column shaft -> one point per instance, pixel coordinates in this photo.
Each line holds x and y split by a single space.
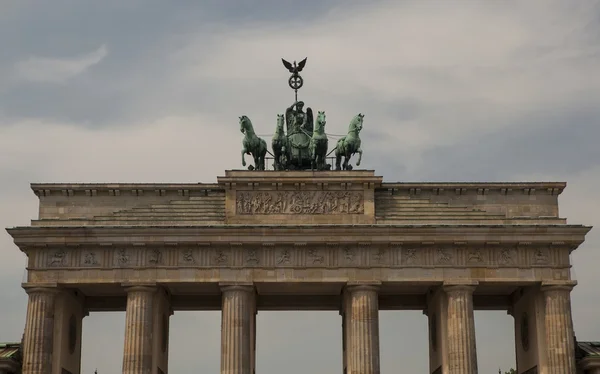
236 330
39 332
462 354
137 356
363 352
559 330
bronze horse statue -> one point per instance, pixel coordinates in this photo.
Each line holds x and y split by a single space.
349 144
279 144
252 144
318 143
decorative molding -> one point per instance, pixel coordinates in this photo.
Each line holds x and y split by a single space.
299 202
305 256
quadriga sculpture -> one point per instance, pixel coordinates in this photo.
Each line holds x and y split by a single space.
252 144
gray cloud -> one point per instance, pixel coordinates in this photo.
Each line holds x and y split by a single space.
481 91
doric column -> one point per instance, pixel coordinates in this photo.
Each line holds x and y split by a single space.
560 342
363 352
39 331
137 356
462 355
236 329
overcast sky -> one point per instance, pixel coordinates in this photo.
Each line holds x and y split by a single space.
151 91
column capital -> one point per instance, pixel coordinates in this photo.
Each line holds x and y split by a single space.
237 286
469 286
558 286
356 286
31 288
140 287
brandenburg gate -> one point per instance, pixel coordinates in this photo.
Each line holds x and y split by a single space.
299 237
299 240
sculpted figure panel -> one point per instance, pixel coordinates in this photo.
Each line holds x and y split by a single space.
317 256
299 202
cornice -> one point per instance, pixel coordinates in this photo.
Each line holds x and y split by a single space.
504 188
561 235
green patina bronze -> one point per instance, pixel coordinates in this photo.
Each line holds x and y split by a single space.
252 144
318 144
279 145
299 142
349 144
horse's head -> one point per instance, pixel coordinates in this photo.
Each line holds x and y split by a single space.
320 122
245 124
357 123
280 122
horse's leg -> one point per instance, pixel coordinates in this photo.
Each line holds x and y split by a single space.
243 153
338 160
256 159
262 158
346 159
319 159
359 151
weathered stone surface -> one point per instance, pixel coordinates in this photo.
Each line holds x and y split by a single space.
363 350
560 339
237 335
462 354
137 356
39 331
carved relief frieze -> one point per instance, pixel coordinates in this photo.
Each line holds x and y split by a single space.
57 258
444 256
475 256
155 257
303 255
411 256
349 256
299 202
540 256
379 256
90 258
283 256
507 256
315 257
187 257
221 257
123 257
251 257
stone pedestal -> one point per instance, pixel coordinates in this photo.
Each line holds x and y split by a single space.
362 329
39 331
137 356
237 348
462 356
560 344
